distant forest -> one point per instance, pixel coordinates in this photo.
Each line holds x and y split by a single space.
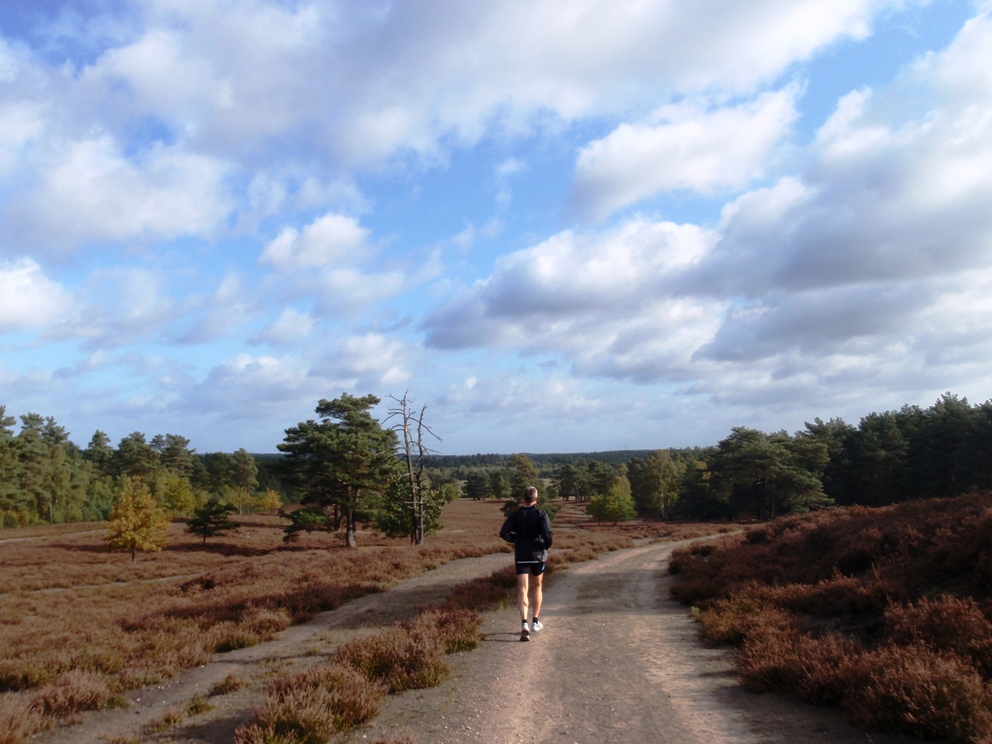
912 453
46 478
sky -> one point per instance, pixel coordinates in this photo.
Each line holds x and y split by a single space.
561 225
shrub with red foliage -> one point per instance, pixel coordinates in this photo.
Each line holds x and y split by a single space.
913 690
455 630
308 707
948 623
398 658
882 611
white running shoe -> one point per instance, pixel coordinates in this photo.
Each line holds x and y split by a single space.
538 625
524 631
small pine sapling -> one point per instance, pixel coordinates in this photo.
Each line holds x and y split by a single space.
212 519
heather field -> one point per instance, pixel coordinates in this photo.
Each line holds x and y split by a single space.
884 612
80 626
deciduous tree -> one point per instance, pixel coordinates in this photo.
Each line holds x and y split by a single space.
615 505
136 523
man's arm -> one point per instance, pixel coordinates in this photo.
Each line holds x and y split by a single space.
507 532
546 529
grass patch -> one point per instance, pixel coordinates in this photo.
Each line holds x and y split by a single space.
196 706
19 719
231 683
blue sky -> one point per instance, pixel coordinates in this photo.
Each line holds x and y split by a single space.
563 225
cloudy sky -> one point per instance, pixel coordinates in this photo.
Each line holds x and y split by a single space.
564 225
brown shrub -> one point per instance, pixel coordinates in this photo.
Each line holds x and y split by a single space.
310 706
265 622
769 659
477 595
231 683
914 691
725 622
456 630
18 719
485 592
135 624
861 570
944 624
71 692
401 660
827 667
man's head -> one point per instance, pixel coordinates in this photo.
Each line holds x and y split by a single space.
530 495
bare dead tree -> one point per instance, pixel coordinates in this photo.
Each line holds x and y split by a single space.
410 428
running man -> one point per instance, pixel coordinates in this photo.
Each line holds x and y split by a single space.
529 529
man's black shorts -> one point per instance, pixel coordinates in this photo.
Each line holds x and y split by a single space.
534 569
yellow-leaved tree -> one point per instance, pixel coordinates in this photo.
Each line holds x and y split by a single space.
268 501
136 523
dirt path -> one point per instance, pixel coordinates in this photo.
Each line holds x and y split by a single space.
618 661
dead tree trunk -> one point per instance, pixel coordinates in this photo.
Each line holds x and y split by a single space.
411 429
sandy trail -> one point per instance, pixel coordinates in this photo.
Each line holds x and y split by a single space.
618 661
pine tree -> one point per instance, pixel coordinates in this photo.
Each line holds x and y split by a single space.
212 519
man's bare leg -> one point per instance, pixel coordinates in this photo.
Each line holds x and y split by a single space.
537 594
522 592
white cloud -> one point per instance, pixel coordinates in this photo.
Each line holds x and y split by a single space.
28 298
117 307
360 83
230 305
686 147
566 281
324 261
330 240
504 170
366 361
290 328
161 128
89 191
20 126
267 392
862 268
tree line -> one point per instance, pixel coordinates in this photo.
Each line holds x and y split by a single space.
913 453
47 478
347 468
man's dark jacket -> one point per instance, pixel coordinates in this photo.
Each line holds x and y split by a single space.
529 529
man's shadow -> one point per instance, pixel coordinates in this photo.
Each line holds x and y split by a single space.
501 637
